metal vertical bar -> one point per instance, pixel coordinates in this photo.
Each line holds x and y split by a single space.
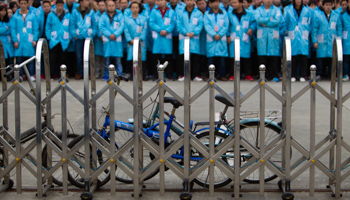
211 127
111 69
64 129
137 92
18 132
161 129
312 129
187 109
262 130
237 73
338 66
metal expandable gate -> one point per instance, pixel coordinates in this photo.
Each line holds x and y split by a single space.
14 152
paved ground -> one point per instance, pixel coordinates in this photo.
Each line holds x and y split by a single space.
200 111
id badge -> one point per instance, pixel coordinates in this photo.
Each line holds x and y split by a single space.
24 30
296 28
216 29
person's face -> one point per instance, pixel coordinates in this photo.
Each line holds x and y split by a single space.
235 4
9 13
327 7
110 6
202 5
277 3
257 3
161 3
135 8
23 5
267 2
343 5
3 12
215 4
245 4
59 7
124 4
70 2
30 2
85 3
46 7
189 3
225 1
117 4
173 1
101 6
297 2
320 3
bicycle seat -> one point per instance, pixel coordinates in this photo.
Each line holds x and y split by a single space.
173 101
223 100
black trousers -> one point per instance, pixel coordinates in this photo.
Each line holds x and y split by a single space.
203 65
151 64
246 66
324 67
272 64
299 61
71 63
57 56
195 65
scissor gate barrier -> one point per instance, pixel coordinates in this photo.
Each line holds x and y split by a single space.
95 159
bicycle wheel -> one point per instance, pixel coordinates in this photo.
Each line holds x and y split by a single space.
220 178
121 137
57 175
251 132
78 158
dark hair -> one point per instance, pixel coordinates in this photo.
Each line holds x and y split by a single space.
6 17
327 1
343 0
140 6
301 3
46 1
312 2
13 4
249 1
60 1
240 1
36 4
211 1
101 1
19 1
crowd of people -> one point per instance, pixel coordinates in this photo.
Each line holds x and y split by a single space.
162 26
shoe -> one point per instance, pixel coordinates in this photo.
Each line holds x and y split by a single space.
198 78
78 77
318 78
276 79
181 78
104 78
223 79
32 78
127 77
151 77
249 78
302 79
293 79
205 78
232 78
346 78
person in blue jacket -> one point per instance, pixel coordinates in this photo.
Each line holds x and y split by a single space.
202 6
298 26
345 20
25 34
344 4
111 25
82 26
216 24
242 25
324 31
225 5
57 33
253 47
71 5
151 61
162 24
98 44
268 18
190 24
42 15
5 35
136 26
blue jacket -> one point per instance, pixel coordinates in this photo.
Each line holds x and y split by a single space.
268 37
253 39
299 29
149 40
324 32
162 44
222 7
136 28
107 28
127 12
178 9
189 25
219 20
203 39
83 28
240 29
75 6
98 44
5 37
345 20
71 46
24 32
57 31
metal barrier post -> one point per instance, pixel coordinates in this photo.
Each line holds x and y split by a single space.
211 127
262 69
312 129
18 132
112 127
161 69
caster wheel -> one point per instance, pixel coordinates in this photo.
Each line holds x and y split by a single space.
185 196
86 196
10 184
280 185
287 196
